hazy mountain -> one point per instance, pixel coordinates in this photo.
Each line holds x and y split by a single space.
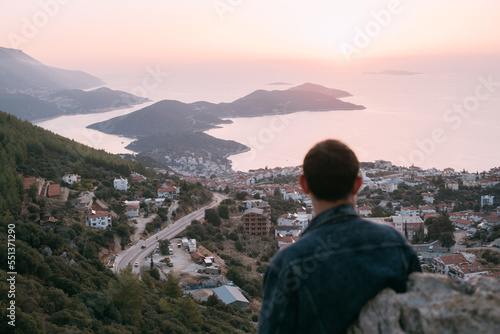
310 87
27 107
33 91
20 72
306 97
76 101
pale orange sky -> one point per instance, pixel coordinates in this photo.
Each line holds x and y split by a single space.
93 34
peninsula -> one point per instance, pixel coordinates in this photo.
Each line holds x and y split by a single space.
172 131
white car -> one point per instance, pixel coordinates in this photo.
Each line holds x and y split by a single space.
136 264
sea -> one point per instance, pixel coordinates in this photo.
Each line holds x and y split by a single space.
435 119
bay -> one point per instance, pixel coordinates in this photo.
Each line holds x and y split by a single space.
74 127
410 119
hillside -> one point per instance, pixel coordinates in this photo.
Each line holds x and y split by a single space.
167 147
164 116
61 284
29 150
33 91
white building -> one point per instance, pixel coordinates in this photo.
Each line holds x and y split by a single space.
427 209
428 198
192 245
487 200
409 211
365 210
382 164
132 211
71 178
408 225
170 192
462 223
388 186
121 184
99 219
287 231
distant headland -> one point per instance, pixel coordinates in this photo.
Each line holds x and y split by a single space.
393 72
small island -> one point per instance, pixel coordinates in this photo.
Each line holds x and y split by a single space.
393 72
279 83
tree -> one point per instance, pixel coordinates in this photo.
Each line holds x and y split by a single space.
33 191
212 217
191 311
439 225
419 236
277 192
213 300
241 195
223 211
163 244
155 273
126 293
447 240
123 231
239 246
172 287
378 211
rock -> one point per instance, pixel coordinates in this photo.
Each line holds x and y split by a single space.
434 304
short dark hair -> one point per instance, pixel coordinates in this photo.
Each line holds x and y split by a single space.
330 169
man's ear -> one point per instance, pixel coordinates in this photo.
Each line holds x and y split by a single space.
303 184
357 185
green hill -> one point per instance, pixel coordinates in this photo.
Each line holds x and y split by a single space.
61 285
28 150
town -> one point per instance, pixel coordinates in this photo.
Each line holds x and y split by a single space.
451 217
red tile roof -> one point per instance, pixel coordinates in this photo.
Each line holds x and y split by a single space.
452 259
54 190
28 181
99 214
167 190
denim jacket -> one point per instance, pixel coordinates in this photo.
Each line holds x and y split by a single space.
320 283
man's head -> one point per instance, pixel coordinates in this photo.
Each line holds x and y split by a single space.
331 171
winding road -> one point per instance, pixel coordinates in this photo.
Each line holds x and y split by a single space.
138 254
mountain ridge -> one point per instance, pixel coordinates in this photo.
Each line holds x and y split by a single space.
20 72
173 115
33 91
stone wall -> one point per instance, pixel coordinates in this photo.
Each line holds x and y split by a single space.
434 304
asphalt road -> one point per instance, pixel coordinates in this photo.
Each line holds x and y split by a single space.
422 249
138 254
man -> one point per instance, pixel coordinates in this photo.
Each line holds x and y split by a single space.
320 283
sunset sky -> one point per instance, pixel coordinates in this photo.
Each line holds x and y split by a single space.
94 35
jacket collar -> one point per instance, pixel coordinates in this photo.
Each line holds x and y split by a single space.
331 216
